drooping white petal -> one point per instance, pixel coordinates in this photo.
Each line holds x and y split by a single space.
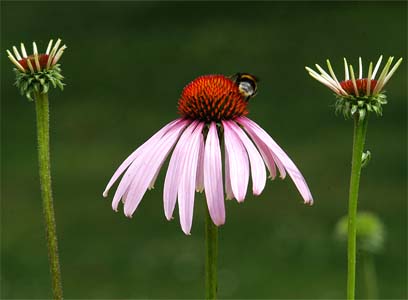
30 66
321 79
360 68
49 47
15 62
376 67
346 71
36 61
370 70
380 82
23 50
16 53
333 75
390 73
35 51
58 55
52 53
353 80
328 77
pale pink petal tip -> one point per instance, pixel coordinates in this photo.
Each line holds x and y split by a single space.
142 166
262 138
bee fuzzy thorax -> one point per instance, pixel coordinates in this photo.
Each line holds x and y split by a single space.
247 84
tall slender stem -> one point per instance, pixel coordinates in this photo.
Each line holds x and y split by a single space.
370 276
360 129
211 245
42 111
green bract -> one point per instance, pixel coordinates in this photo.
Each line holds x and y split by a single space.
38 82
348 106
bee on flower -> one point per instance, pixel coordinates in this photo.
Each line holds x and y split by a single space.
213 110
35 72
358 94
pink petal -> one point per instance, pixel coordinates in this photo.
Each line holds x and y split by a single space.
267 157
279 164
137 152
145 167
238 162
256 132
228 188
258 171
174 172
187 185
200 167
214 191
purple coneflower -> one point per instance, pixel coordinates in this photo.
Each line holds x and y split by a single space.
213 114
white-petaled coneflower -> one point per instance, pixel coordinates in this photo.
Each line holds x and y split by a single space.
35 73
358 94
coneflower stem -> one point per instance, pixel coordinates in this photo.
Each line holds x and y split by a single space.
211 245
370 276
360 129
42 112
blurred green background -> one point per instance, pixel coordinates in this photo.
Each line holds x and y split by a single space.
125 67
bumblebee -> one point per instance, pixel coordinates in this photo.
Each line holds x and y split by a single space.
247 84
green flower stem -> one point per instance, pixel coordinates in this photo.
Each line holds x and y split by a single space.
42 110
211 245
360 129
370 276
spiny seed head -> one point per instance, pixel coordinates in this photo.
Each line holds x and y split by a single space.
212 98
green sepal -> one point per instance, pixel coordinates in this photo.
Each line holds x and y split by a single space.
349 105
39 82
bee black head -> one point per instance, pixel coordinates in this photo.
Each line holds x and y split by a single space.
247 84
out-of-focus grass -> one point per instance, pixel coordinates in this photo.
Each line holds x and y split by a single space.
125 67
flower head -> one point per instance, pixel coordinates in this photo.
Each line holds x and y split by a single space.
35 72
212 117
361 94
